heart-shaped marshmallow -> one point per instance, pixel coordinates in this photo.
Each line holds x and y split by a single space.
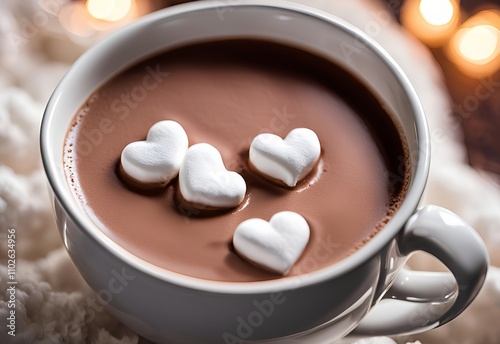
204 180
288 160
158 159
275 245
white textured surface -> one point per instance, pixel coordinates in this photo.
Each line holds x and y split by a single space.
56 305
18 112
275 245
289 159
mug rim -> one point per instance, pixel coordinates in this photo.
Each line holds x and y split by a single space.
65 197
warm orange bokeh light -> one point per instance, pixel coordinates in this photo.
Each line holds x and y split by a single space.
109 10
431 21
436 12
475 47
478 44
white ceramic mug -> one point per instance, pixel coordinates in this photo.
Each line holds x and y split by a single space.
321 306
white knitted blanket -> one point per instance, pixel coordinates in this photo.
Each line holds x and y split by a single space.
54 303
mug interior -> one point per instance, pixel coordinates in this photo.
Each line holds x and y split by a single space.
290 24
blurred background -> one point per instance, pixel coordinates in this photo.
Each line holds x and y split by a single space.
450 49
462 35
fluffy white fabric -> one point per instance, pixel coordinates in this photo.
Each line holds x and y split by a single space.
55 305
25 205
18 144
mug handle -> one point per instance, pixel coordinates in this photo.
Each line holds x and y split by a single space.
420 301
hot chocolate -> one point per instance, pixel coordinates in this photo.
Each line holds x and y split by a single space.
224 94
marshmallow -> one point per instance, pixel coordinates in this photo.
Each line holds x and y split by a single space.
204 180
275 245
288 160
158 159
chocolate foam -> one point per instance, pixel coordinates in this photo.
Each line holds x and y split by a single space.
225 94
